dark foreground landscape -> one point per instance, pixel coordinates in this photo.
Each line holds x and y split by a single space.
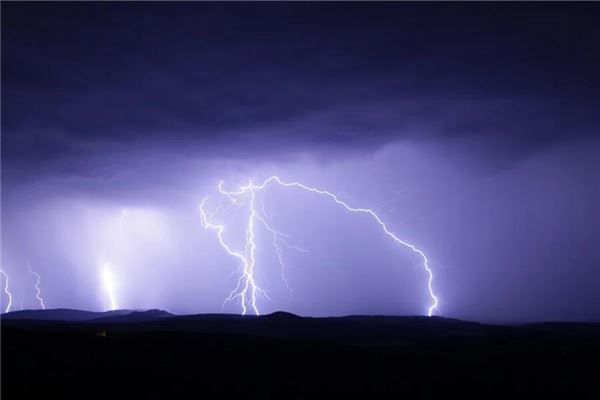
152 354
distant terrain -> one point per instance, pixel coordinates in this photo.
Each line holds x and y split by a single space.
155 354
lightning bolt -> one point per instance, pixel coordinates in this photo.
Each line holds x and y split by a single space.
280 239
6 291
247 289
38 294
109 285
108 279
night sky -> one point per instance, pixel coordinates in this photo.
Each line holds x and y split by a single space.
471 129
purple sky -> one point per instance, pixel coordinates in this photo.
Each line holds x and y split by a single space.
472 130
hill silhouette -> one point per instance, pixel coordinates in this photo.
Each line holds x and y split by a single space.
72 315
155 354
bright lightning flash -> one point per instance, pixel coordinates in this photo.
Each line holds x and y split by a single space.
6 291
247 289
38 294
109 285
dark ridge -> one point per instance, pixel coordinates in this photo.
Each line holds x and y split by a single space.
61 314
154 354
134 316
72 315
282 315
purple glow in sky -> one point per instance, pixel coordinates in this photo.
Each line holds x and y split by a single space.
471 130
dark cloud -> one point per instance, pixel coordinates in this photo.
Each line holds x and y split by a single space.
294 75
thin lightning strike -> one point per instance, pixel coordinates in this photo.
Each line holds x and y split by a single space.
38 294
109 285
106 275
6 291
247 289
280 238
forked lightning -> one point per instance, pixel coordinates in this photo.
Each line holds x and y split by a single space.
247 290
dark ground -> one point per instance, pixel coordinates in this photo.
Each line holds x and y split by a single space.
156 355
